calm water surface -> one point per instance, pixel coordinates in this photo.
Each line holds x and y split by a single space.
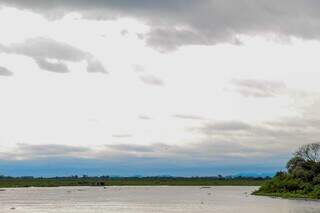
147 199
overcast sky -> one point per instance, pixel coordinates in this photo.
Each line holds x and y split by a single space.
171 87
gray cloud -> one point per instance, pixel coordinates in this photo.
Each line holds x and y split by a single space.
180 22
225 142
283 135
122 135
225 126
189 117
131 148
151 80
95 66
138 68
258 88
187 157
124 32
44 50
5 72
212 150
144 117
167 39
28 151
58 67
145 77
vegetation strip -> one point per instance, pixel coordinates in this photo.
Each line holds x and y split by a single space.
9 182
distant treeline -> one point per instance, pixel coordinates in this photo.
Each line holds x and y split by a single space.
85 180
219 177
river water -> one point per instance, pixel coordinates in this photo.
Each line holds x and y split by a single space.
147 199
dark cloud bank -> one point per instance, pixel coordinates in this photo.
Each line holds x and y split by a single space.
130 159
179 22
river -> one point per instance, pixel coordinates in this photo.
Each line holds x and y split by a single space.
223 199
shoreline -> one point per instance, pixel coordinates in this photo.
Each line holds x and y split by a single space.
289 196
125 186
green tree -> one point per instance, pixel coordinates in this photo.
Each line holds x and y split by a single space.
302 178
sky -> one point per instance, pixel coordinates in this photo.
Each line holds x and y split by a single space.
148 87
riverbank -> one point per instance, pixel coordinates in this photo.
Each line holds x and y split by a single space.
295 196
285 185
56 182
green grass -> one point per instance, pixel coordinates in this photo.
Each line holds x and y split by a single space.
55 182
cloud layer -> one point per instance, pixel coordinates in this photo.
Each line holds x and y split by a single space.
179 22
227 143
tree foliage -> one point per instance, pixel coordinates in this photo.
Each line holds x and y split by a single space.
302 178
309 152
